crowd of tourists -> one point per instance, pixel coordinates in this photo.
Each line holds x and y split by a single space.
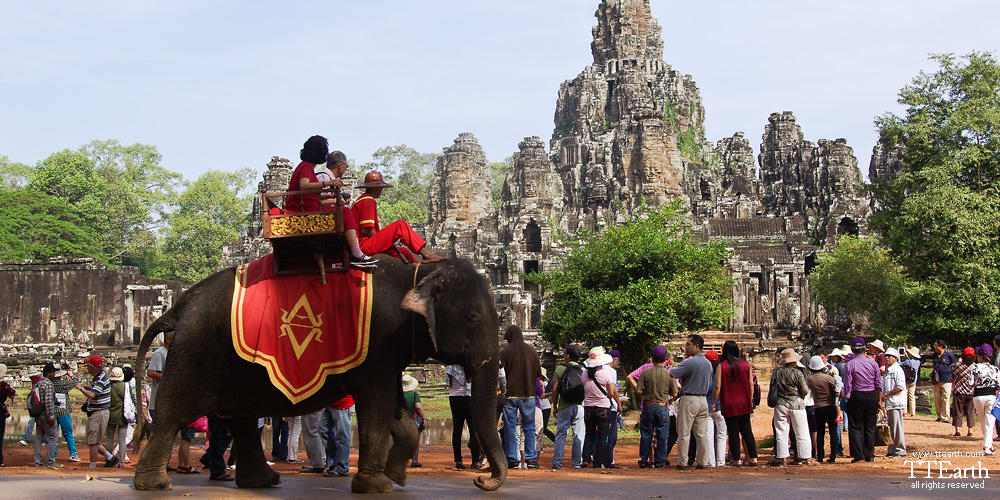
704 403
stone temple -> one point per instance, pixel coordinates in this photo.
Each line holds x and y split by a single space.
628 130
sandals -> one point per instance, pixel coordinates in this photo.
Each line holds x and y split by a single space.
188 470
777 462
224 477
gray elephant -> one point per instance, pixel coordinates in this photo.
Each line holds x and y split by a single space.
442 310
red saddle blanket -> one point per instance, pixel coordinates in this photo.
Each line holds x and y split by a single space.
296 328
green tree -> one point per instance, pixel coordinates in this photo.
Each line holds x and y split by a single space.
14 175
211 211
940 213
630 286
861 278
498 172
410 172
34 225
120 191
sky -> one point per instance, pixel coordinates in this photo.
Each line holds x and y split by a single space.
228 84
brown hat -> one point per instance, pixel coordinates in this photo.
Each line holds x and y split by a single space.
374 179
789 356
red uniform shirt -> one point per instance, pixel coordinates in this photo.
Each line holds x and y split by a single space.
366 212
304 202
344 403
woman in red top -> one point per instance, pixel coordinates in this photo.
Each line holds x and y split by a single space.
733 394
314 152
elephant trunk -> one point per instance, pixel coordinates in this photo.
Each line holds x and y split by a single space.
484 419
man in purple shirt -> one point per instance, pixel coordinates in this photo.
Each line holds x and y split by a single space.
863 392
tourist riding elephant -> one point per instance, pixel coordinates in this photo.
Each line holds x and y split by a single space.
442 310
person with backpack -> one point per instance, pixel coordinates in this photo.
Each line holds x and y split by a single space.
42 406
962 385
121 397
598 409
657 388
567 401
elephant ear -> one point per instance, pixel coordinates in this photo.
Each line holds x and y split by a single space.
420 299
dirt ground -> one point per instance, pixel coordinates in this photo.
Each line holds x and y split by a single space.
925 439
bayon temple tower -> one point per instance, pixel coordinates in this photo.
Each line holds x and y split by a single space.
628 130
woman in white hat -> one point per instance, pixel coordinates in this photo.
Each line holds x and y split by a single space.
789 384
6 393
600 390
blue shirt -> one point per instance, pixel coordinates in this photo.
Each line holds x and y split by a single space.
942 366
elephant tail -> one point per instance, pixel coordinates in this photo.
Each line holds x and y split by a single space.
165 323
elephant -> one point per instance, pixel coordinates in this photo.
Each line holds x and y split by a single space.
440 310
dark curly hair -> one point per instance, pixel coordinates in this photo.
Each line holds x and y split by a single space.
315 150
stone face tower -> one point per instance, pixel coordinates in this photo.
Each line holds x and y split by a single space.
628 125
459 196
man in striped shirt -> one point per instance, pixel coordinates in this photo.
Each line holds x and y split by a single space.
98 401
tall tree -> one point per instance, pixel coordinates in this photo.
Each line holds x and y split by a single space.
14 175
410 172
860 277
940 213
632 285
498 172
34 225
211 211
121 191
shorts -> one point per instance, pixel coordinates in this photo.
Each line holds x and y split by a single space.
187 433
97 426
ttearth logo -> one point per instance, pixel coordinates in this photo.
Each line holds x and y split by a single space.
938 473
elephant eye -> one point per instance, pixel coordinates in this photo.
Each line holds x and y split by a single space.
472 317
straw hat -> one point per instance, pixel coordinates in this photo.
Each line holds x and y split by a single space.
117 375
3 369
878 345
913 352
597 357
837 352
409 383
789 356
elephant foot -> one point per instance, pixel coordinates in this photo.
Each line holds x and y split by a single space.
366 483
152 481
260 478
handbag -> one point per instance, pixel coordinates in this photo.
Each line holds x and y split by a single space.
772 396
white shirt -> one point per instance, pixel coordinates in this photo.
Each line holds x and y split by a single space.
894 379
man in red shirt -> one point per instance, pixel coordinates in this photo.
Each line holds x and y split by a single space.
373 239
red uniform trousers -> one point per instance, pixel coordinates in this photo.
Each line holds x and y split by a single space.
383 241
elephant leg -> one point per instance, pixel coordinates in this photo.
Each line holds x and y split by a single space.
151 472
404 444
252 470
374 417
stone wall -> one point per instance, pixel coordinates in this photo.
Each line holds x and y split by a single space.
78 301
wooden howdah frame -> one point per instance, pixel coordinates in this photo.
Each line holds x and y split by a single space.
306 252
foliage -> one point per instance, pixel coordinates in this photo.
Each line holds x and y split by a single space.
498 172
861 278
14 175
410 172
940 214
34 225
631 285
120 191
211 211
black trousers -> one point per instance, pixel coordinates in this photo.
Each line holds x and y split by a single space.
862 413
461 414
737 427
826 419
218 441
3 429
